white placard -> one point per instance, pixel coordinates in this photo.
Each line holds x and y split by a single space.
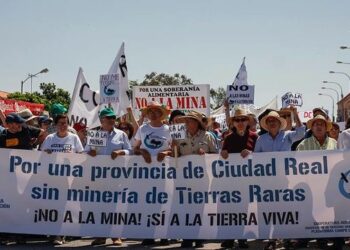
178 131
240 94
109 88
290 98
97 138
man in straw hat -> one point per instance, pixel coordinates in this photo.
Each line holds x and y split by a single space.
153 139
319 139
276 138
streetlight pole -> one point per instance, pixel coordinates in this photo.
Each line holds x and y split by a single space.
341 88
334 91
332 103
342 62
31 79
343 73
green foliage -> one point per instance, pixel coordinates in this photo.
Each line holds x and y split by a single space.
162 79
218 97
49 95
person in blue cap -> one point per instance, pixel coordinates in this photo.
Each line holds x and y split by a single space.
18 135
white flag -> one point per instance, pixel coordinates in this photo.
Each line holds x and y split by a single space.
241 77
257 111
85 103
119 67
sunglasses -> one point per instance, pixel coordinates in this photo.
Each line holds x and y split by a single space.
124 128
240 120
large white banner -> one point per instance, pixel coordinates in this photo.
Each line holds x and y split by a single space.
185 97
269 195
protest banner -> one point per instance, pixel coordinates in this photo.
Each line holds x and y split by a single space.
9 105
279 195
85 103
185 98
109 88
177 131
240 94
97 138
290 98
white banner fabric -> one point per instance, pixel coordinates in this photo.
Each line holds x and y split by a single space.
185 97
268 195
85 103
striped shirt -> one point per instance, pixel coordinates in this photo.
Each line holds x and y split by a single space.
312 143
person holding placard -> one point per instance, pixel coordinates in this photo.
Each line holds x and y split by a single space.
198 141
117 144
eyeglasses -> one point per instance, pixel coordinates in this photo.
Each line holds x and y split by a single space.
240 120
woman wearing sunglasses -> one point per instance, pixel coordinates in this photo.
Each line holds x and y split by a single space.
241 140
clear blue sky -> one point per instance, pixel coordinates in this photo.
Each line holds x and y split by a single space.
288 45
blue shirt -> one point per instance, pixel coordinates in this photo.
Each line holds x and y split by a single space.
116 140
282 142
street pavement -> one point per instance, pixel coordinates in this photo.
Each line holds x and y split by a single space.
85 243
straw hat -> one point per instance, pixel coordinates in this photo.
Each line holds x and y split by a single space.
319 118
193 115
275 115
156 105
26 114
239 112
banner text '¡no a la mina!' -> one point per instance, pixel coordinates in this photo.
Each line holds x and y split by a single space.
191 97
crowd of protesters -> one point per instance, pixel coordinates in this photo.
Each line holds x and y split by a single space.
272 131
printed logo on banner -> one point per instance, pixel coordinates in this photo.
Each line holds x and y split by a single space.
3 204
344 184
178 131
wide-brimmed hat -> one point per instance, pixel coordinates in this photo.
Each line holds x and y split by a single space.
14 118
193 115
275 115
321 110
156 105
321 118
107 112
239 112
26 114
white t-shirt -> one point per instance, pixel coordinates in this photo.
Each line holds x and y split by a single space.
69 144
154 139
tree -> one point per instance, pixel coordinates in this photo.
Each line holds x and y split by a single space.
162 79
217 97
50 94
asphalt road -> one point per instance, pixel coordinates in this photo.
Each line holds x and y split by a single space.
85 243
